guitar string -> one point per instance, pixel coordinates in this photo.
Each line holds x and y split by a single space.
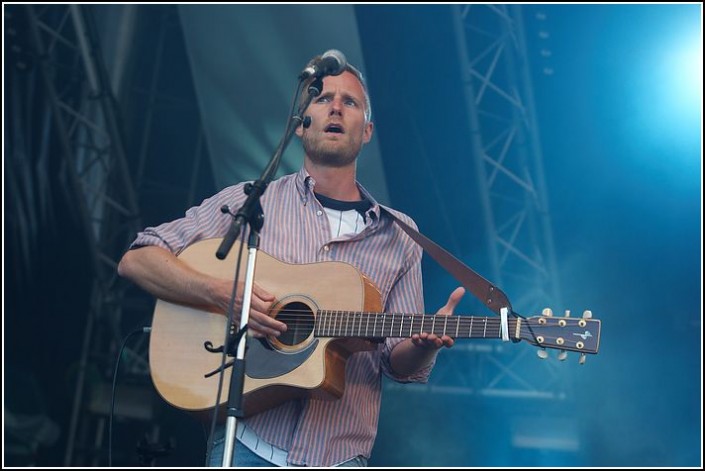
344 321
361 316
357 316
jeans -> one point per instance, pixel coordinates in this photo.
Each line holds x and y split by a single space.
246 458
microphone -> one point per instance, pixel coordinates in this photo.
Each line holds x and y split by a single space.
306 122
332 62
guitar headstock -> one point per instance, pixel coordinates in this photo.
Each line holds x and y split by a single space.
566 333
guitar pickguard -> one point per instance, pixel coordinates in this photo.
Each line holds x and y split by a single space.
263 362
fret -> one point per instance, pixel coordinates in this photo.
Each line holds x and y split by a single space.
335 323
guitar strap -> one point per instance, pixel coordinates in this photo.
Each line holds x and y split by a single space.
489 294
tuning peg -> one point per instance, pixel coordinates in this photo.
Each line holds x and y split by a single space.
582 359
567 313
542 353
587 315
547 312
562 355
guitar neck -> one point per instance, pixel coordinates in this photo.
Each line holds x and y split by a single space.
381 325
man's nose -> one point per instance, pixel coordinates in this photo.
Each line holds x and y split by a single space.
336 107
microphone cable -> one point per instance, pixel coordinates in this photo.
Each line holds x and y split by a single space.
145 330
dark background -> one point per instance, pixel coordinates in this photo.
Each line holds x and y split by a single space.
619 118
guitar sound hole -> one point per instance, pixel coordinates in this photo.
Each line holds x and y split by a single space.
299 321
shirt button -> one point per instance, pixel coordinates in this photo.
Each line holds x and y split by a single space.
326 248
319 212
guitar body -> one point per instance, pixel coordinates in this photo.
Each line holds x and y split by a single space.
331 310
296 364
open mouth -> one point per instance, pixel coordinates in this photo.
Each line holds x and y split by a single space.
334 128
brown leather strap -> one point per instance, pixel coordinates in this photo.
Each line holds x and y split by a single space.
483 290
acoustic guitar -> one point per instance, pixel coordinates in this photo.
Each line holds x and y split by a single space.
331 311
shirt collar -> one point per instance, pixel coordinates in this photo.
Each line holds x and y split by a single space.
305 184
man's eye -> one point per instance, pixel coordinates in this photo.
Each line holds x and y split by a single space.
351 102
323 99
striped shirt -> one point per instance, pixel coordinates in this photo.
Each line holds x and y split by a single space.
296 230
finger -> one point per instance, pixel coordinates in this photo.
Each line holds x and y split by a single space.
434 341
453 301
262 307
266 324
262 293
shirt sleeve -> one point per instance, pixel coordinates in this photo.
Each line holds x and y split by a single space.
205 221
406 297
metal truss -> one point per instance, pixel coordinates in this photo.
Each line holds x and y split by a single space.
63 79
86 124
508 165
507 153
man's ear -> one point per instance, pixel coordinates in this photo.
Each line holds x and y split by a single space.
367 133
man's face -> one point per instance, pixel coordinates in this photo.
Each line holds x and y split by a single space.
338 128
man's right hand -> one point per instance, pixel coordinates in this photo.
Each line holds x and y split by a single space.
260 322
162 274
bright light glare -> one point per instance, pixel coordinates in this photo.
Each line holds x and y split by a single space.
666 99
687 68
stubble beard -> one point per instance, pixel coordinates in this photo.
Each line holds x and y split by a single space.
329 153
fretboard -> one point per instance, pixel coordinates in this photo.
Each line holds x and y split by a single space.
380 325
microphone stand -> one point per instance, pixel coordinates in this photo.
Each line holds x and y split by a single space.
251 213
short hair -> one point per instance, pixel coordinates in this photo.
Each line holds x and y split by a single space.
368 106
353 70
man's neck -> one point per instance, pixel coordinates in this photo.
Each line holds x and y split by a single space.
335 182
